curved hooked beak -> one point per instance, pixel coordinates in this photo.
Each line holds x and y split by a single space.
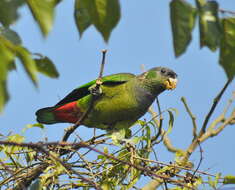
171 83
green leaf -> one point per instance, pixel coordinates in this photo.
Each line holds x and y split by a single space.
6 58
227 47
29 126
24 55
209 25
183 17
29 64
171 122
117 136
229 179
104 14
46 67
10 35
81 16
9 11
11 149
16 138
43 12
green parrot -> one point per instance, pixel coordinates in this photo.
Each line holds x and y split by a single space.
122 99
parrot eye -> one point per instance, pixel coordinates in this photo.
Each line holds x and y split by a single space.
163 71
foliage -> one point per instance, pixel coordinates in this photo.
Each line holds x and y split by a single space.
125 156
215 32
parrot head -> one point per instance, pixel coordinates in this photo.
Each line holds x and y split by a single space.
161 78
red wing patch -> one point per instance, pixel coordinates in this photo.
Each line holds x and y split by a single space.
68 113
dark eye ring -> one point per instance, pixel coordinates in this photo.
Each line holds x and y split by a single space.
163 71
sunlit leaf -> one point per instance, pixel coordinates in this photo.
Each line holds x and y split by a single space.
29 126
227 47
6 58
16 138
30 156
104 14
82 17
46 67
118 136
13 138
25 57
229 179
10 35
171 121
9 11
210 31
43 12
27 61
183 17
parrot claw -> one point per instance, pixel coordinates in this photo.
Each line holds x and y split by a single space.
95 90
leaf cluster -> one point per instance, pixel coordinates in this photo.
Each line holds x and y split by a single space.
216 32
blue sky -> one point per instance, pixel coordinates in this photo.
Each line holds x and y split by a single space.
143 36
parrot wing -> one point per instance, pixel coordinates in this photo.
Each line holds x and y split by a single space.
83 90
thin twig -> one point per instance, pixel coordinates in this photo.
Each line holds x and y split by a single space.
160 120
71 129
216 101
175 166
215 132
193 118
166 139
223 11
200 161
40 147
104 51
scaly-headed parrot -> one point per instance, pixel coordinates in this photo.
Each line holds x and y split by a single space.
123 99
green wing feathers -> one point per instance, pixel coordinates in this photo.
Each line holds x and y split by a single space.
83 90
70 108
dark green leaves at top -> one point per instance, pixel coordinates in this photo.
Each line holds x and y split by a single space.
28 63
227 47
10 49
46 67
9 11
210 31
6 58
43 12
182 22
103 14
82 17
10 35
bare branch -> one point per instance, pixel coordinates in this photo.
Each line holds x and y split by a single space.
166 139
71 129
216 101
223 11
200 161
193 118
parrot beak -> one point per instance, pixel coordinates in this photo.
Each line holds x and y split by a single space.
171 83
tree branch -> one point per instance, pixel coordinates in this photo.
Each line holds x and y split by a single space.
193 118
71 129
216 101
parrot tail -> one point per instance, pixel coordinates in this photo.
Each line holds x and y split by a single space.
67 113
46 115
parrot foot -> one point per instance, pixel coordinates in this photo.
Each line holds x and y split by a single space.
95 90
